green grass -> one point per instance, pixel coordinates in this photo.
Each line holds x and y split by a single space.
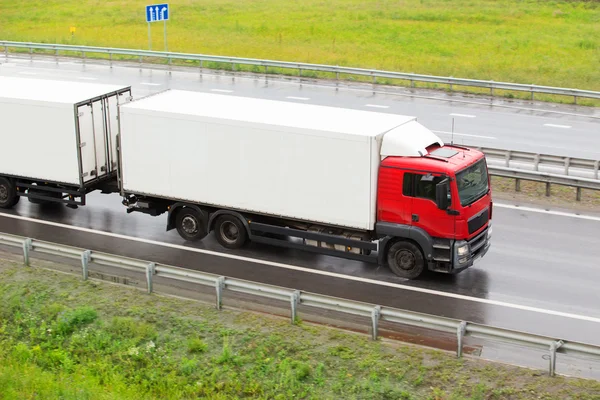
61 338
543 42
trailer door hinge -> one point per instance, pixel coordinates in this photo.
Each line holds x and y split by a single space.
80 114
82 144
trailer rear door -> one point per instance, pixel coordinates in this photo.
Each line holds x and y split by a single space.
98 129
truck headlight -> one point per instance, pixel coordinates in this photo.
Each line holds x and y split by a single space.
463 250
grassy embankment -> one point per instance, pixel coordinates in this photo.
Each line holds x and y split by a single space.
61 338
547 43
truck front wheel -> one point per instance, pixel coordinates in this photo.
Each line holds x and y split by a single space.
230 232
8 194
191 224
406 260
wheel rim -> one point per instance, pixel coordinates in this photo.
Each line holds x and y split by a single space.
3 193
189 224
229 232
406 260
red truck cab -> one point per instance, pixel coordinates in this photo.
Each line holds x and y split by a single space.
442 202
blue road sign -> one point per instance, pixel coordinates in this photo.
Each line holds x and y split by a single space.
157 12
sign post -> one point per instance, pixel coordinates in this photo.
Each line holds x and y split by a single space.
155 13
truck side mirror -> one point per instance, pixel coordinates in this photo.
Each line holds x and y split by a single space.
441 194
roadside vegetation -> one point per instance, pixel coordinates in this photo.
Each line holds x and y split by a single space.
553 43
61 338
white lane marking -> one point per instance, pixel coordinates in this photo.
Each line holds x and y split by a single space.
8 64
466 134
539 210
221 90
150 84
27 73
298 98
376 106
312 271
85 78
558 126
463 115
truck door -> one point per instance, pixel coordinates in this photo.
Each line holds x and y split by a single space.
424 211
112 118
94 140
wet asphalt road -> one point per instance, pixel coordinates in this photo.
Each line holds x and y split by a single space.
536 260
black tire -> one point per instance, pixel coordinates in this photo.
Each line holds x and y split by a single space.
8 194
191 224
230 232
406 260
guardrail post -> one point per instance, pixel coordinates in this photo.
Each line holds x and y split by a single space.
553 347
507 159
460 334
536 162
26 248
517 184
110 59
578 195
219 285
150 269
567 165
575 98
85 259
596 168
375 321
532 91
83 55
547 189
294 300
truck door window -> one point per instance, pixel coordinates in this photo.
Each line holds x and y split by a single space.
420 185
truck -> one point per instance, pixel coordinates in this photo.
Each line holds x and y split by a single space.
369 186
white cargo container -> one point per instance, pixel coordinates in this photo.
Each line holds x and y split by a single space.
298 161
58 131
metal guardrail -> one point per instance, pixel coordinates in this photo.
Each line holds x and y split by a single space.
169 56
579 173
376 313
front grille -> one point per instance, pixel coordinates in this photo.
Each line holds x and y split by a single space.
478 221
477 244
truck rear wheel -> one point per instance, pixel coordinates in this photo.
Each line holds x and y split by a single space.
230 232
406 260
191 224
8 194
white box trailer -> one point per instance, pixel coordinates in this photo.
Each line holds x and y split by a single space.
59 132
297 161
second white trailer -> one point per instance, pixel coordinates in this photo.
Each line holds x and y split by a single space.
58 136
298 161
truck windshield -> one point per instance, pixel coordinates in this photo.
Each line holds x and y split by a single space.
472 183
